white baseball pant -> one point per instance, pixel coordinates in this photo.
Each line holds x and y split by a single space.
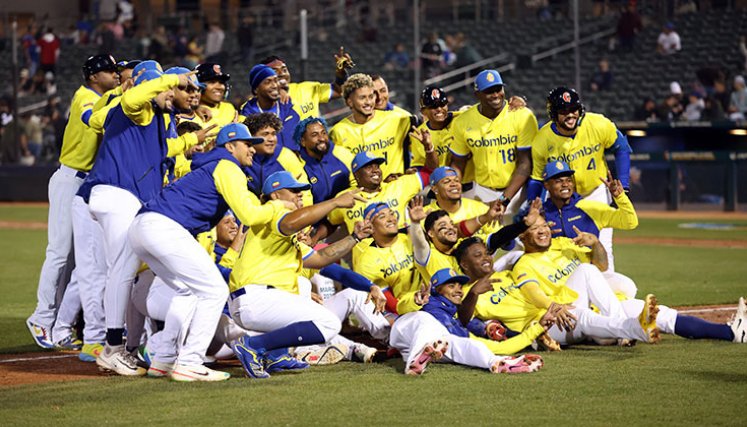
665 319
592 288
621 283
413 331
175 256
90 270
487 195
115 209
602 194
592 325
59 262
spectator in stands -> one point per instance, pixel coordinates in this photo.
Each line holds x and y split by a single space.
159 48
466 54
668 41
56 118
672 108
49 50
430 55
397 58
721 94
738 101
647 111
214 44
194 53
33 131
602 78
712 110
694 108
246 38
24 82
743 50
30 50
628 26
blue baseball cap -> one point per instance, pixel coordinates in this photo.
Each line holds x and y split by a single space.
236 132
147 65
363 158
444 276
375 208
147 75
487 79
258 74
441 173
557 168
184 70
280 180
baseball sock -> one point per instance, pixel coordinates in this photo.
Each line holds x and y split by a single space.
295 334
114 337
696 328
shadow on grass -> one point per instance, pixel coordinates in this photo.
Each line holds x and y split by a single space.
28 348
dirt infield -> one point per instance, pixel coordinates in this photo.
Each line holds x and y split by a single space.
48 367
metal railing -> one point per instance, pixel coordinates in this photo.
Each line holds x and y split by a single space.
467 79
570 45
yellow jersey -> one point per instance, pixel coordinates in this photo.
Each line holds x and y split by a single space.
77 151
584 152
468 209
442 140
395 193
392 267
493 143
223 114
551 269
437 260
306 97
383 136
270 258
506 303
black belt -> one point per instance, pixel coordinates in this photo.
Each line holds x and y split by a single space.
239 292
81 175
466 186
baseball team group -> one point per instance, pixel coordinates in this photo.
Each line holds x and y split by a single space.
187 230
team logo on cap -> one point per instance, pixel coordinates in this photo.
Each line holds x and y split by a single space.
276 184
566 97
111 58
231 134
490 77
559 165
216 69
355 165
435 93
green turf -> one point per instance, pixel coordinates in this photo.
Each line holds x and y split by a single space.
23 213
678 382
669 228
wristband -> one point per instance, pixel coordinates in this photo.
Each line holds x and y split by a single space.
477 218
340 80
357 240
504 200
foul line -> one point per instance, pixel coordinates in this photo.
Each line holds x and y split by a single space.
26 359
701 310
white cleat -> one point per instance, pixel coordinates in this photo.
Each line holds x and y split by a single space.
190 373
364 353
739 324
118 360
327 355
160 369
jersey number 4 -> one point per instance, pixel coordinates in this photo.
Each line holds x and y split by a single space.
592 165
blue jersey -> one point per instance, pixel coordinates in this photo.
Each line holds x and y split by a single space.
328 176
444 311
287 115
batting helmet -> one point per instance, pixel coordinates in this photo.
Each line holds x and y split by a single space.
97 63
563 98
211 71
433 97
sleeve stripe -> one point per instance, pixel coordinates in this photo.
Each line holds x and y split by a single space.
277 224
86 116
524 282
309 254
457 154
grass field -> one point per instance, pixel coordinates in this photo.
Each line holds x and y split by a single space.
677 382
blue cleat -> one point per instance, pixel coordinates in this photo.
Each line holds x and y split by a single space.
283 362
250 358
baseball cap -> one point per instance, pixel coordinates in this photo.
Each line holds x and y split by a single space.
487 79
375 208
127 65
444 276
210 71
147 65
236 132
556 169
147 75
441 173
97 63
280 180
258 74
363 158
184 70
433 97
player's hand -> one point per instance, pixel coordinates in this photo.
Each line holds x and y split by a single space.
376 296
317 298
564 319
484 285
128 84
204 113
363 229
343 61
548 319
423 295
348 199
516 103
204 133
534 212
415 209
185 80
411 171
304 237
392 177
583 238
495 212
238 241
284 96
423 136
614 185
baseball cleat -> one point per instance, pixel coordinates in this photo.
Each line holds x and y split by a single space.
250 358
161 369
283 363
739 324
116 359
327 355
90 352
647 319
69 343
546 343
517 364
430 353
364 353
40 334
495 330
190 373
